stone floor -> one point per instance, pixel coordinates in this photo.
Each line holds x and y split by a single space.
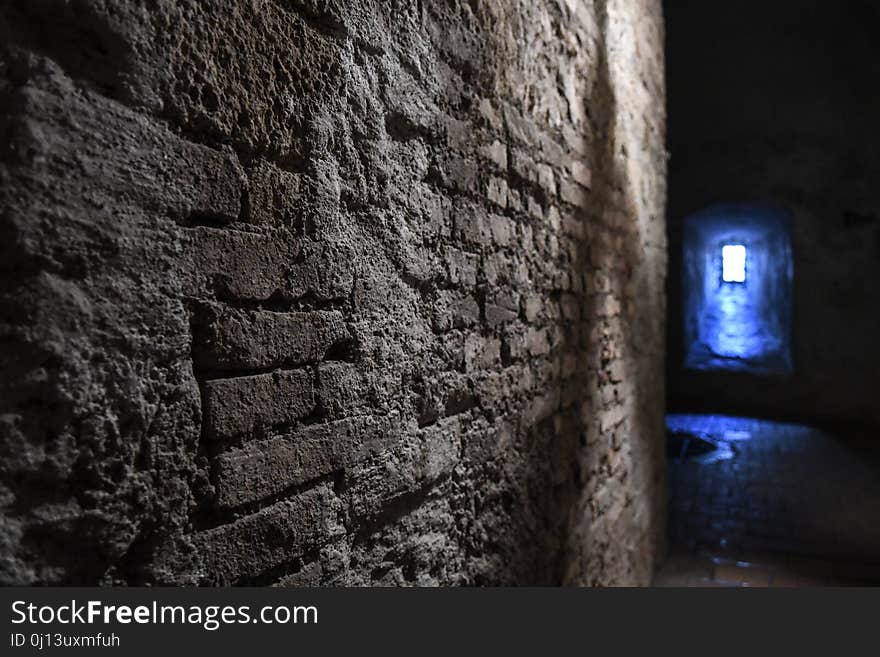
805 501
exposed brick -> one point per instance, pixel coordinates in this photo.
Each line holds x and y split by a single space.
552 152
251 405
498 314
533 306
581 174
237 264
514 346
496 192
215 182
488 112
257 266
461 174
262 469
481 353
495 152
462 267
433 298
534 208
573 194
274 197
504 307
523 165
612 417
341 388
413 463
327 271
538 342
503 230
309 575
520 127
230 338
455 310
272 536
472 224
546 179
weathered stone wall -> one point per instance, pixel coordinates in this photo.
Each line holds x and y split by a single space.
784 118
332 292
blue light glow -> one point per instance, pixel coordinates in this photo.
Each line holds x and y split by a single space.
733 263
737 284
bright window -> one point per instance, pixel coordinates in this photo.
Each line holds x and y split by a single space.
733 263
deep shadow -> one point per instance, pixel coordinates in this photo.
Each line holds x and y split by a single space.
768 103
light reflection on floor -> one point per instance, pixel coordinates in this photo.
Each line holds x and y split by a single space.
716 427
787 491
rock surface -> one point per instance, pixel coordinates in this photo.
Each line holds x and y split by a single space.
338 292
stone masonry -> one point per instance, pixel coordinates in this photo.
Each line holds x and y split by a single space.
331 292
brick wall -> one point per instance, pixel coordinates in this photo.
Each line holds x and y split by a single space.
332 292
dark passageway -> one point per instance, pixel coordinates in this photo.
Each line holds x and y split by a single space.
737 286
406 293
772 141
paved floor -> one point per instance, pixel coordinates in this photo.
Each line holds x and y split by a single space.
781 491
